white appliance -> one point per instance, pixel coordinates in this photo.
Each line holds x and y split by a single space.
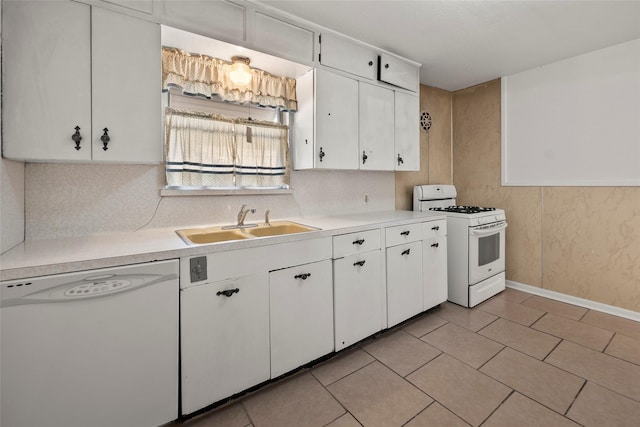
94 348
475 244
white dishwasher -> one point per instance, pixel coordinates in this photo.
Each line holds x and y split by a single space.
93 348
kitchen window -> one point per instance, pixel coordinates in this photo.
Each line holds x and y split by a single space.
224 137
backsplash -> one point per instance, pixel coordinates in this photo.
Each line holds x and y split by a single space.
64 200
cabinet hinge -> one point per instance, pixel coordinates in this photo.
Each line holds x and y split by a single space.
319 57
319 38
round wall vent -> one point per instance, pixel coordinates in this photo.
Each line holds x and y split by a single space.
425 121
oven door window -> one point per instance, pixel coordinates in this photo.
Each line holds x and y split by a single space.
488 249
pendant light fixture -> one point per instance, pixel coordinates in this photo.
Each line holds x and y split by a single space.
240 73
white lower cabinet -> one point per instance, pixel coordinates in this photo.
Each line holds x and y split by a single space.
434 263
404 282
358 287
301 315
224 338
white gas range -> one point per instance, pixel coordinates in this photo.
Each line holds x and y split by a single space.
475 244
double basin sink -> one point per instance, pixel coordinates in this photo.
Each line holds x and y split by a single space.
200 236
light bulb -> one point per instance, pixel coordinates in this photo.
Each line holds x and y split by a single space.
239 72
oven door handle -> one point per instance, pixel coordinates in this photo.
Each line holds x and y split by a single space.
486 230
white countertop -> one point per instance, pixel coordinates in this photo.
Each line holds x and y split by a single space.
41 257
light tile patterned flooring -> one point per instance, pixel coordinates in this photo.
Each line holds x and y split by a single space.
515 360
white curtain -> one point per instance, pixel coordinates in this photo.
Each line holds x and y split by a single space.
207 150
261 162
203 75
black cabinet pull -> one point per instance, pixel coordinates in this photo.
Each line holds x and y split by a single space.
436 228
302 276
386 65
321 154
76 137
370 63
105 139
406 252
435 245
400 160
359 263
228 292
358 242
405 233
364 157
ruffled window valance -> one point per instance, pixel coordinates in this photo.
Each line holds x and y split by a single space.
203 75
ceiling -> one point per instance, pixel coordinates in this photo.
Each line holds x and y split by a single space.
464 43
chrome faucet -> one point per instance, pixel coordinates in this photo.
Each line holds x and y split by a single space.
243 214
266 218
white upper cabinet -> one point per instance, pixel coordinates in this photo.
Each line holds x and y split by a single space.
47 80
282 38
325 127
407 132
398 72
144 6
125 56
376 121
221 20
68 68
345 55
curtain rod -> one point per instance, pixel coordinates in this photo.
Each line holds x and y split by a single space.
222 118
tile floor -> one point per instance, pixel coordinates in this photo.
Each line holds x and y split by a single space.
515 360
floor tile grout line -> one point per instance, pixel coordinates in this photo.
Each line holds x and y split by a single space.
526 395
575 397
349 374
424 409
604 350
498 407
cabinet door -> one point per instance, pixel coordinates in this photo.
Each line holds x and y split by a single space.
282 38
46 81
301 313
407 132
222 20
358 290
376 119
345 55
434 271
302 147
404 282
127 78
399 73
225 339
336 125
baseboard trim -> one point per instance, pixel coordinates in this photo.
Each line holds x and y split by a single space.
592 305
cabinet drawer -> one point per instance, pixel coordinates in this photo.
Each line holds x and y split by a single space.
403 234
434 229
355 243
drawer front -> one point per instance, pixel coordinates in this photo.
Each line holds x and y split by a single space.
403 234
355 243
433 229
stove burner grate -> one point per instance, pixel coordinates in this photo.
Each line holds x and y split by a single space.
463 209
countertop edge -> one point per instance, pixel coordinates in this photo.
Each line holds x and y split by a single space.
36 258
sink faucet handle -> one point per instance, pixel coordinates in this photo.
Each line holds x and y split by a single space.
266 218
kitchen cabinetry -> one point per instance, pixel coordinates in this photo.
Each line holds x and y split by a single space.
222 20
376 125
251 314
407 132
398 72
301 306
404 272
283 38
325 128
358 287
345 124
224 338
434 263
64 62
346 55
